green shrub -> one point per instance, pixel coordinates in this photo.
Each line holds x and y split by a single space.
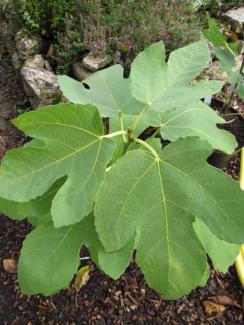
55 20
121 28
44 16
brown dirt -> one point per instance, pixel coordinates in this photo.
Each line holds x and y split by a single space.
102 301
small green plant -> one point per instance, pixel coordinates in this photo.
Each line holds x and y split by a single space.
229 62
45 17
120 192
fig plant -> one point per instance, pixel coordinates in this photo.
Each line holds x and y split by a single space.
120 192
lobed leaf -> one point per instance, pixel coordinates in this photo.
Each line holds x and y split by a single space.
71 145
50 256
37 210
214 35
49 259
222 254
112 263
107 89
227 63
161 196
162 86
193 120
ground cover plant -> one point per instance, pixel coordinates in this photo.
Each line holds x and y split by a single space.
120 192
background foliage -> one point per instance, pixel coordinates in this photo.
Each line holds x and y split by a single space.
122 28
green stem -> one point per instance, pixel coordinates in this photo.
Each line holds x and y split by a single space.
138 117
155 133
122 128
230 50
147 146
115 134
231 114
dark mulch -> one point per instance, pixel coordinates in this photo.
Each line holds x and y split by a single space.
103 301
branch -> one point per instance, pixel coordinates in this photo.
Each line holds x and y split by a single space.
147 146
115 134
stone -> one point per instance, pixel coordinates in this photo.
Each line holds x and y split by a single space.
28 44
47 66
79 72
41 86
236 19
35 62
94 63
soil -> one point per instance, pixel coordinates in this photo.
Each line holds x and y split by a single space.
102 301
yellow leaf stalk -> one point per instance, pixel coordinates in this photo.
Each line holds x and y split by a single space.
239 263
242 169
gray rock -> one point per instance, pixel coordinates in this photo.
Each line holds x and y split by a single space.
35 62
95 63
41 86
27 44
236 18
47 66
79 72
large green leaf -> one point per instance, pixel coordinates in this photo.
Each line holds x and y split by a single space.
217 38
193 120
49 259
213 34
37 209
162 86
160 196
112 263
222 254
108 90
227 61
72 146
148 73
241 90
